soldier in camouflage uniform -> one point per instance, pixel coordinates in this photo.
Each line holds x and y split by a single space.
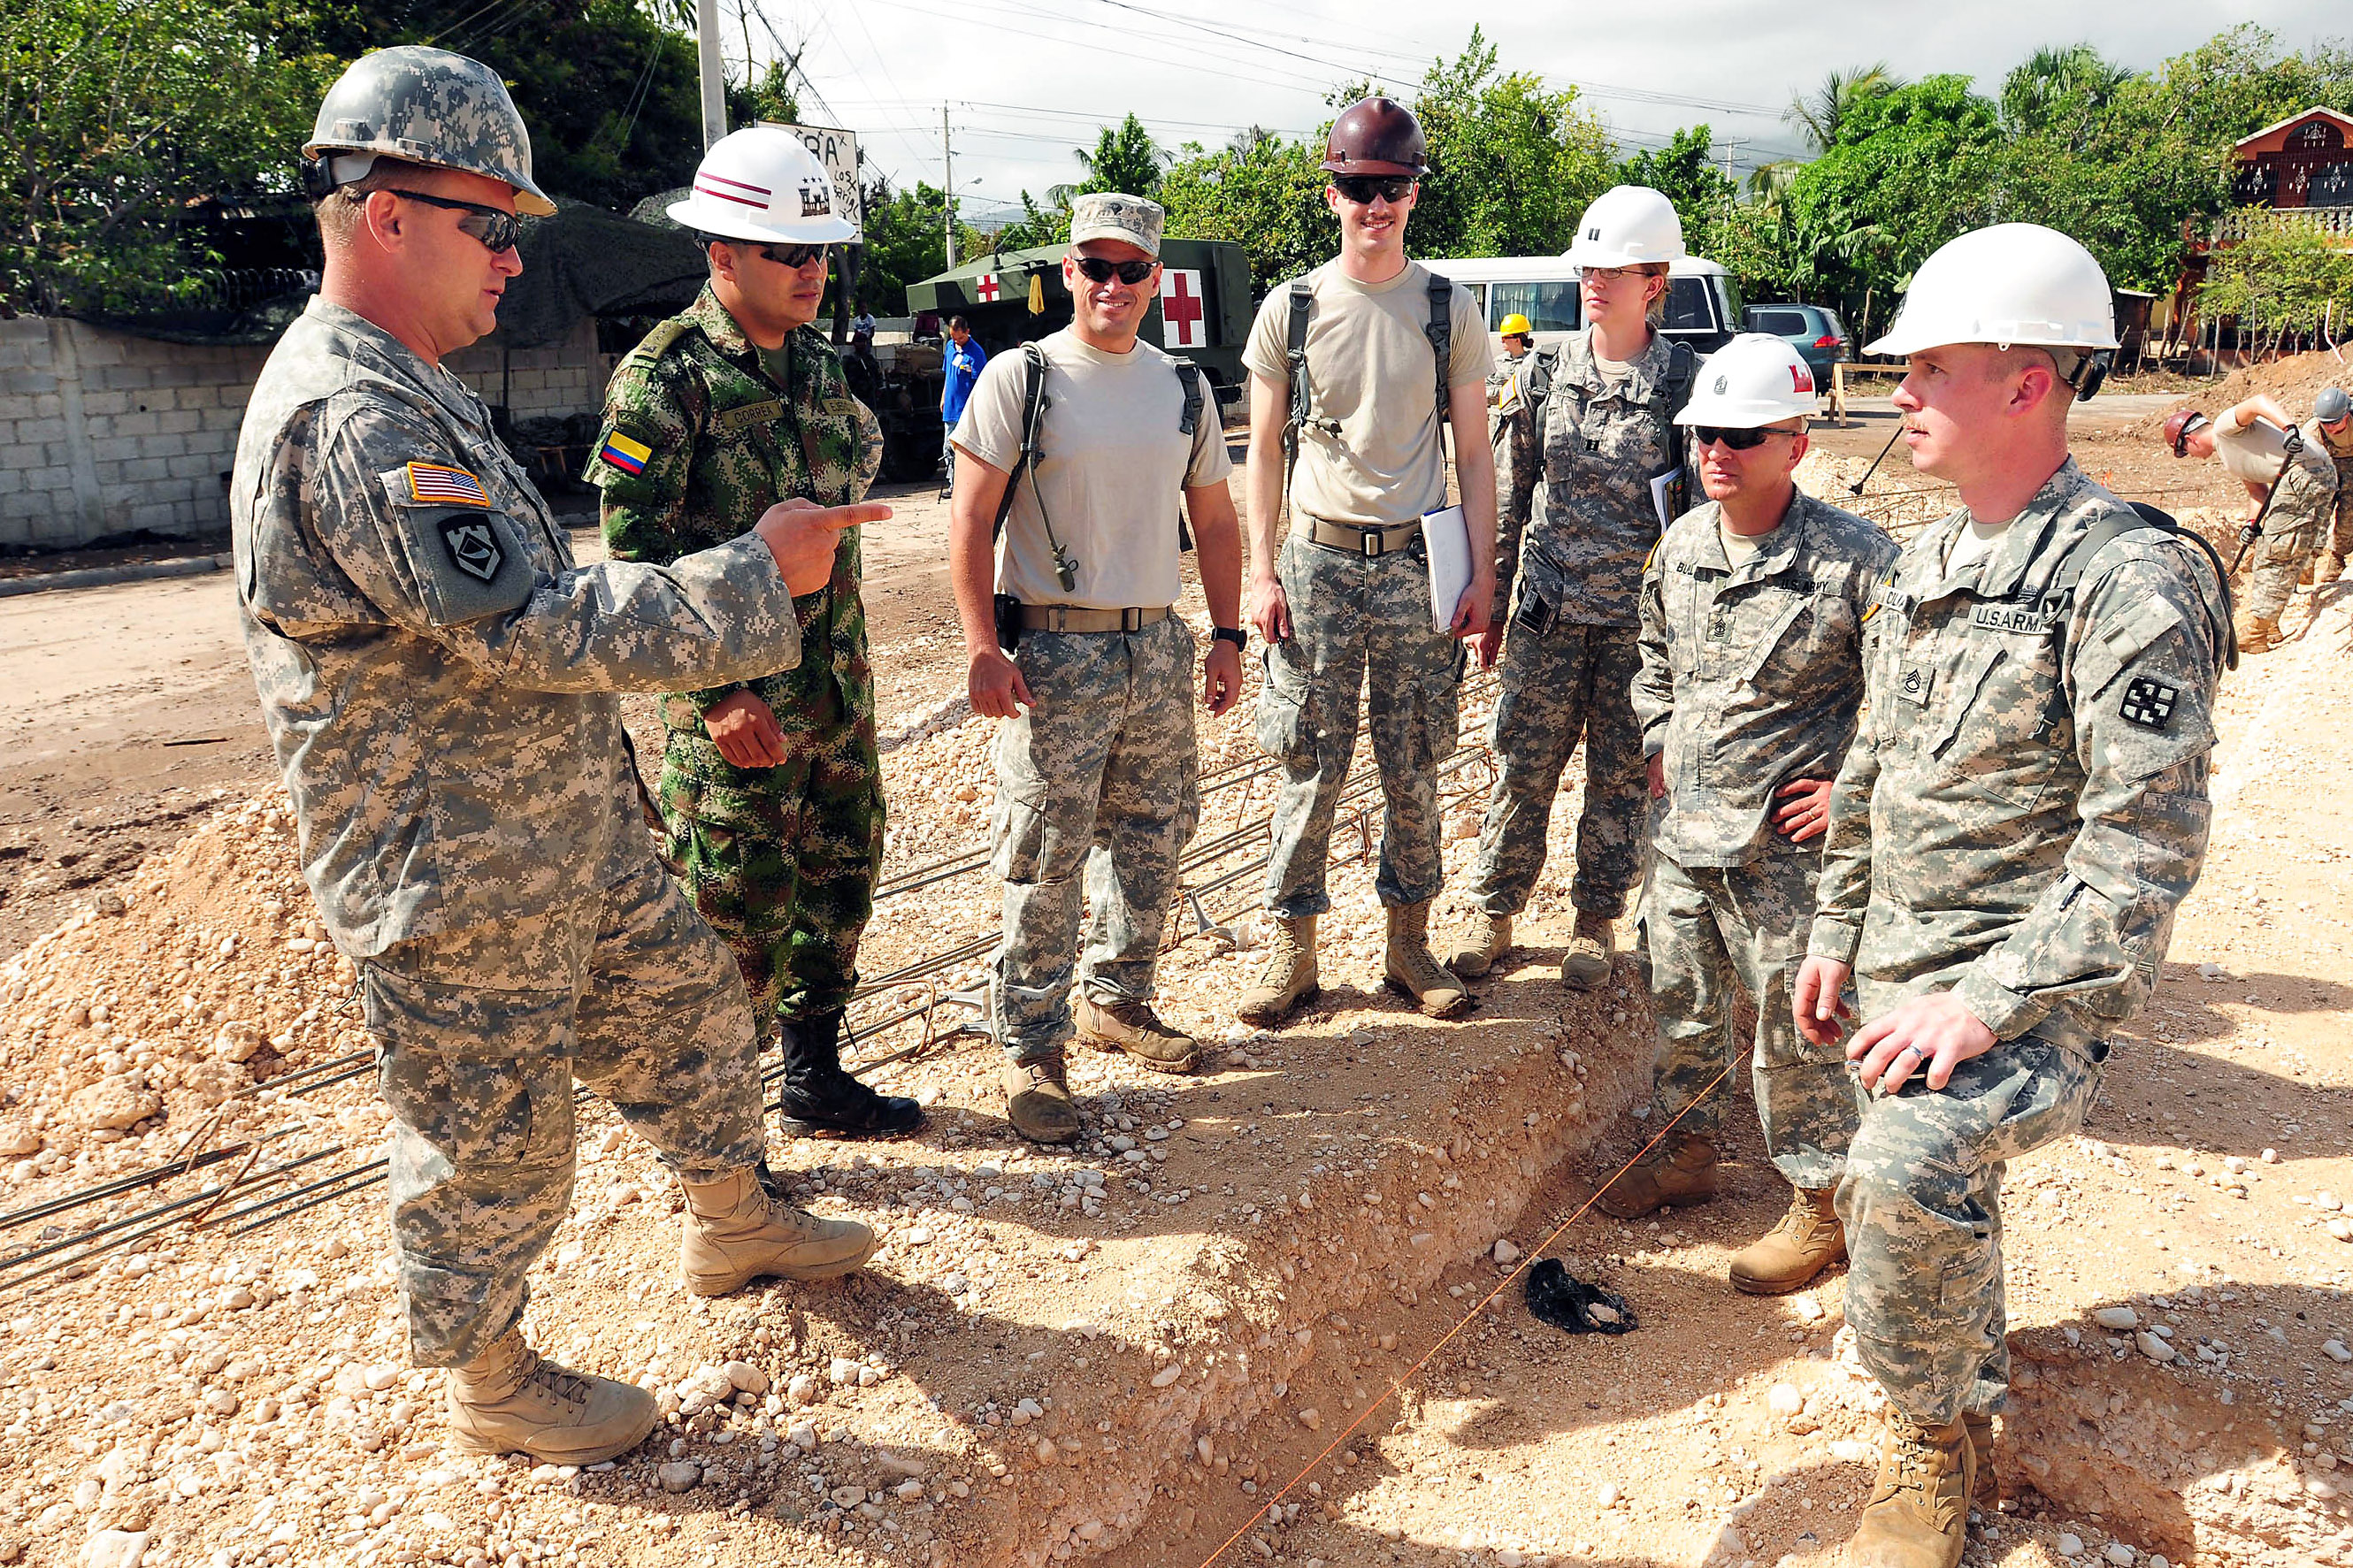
1571 658
2023 811
1516 389
1098 775
2280 463
771 789
2331 429
1359 369
438 676
1752 611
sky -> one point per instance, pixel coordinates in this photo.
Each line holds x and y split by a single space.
1025 82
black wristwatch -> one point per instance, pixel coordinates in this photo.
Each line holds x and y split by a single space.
1234 635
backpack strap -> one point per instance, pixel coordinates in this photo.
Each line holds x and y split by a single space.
2069 574
1188 375
1675 392
1442 343
1294 355
1033 409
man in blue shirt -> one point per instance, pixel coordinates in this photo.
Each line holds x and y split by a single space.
964 359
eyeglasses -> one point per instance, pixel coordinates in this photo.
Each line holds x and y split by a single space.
1738 440
1607 275
1100 270
793 255
1362 188
497 228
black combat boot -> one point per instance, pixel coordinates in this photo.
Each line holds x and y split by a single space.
819 1100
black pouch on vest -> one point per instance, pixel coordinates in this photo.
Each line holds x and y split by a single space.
1009 622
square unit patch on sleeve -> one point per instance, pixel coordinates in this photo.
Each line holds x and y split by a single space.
2149 703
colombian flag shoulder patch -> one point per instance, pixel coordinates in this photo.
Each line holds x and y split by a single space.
625 453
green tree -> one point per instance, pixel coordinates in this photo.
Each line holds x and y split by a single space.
123 116
1263 191
1125 159
2060 88
1680 171
2280 278
1511 164
1820 116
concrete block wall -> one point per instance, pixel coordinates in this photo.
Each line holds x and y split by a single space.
101 432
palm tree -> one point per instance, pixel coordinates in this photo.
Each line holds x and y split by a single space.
2051 79
1818 114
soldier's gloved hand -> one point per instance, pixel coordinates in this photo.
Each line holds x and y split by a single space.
745 730
1221 677
1817 1002
1807 811
1933 1032
802 534
996 686
1269 610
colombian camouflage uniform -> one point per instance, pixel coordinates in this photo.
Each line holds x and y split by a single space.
2021 813
1515 399
2295 529
1570 655
781 860
1751 676
438 676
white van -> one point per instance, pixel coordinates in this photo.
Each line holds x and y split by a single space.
1703 301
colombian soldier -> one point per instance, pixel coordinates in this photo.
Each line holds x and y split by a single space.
1516 398
1099 773
2281 464
437 676
1752 672
2332 414
2022 809
1358 369
771 789
1569 663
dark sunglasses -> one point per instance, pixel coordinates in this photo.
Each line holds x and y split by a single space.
1738 440
496 229
795 255
1362 188
2181 442
1099 270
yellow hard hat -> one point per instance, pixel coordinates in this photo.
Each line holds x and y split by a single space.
1516 326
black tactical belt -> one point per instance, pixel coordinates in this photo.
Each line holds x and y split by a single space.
1070 618
1369 543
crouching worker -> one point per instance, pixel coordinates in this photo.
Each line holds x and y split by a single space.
1752 611
1080 447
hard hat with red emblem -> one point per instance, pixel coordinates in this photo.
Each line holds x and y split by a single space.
761 185
1757 379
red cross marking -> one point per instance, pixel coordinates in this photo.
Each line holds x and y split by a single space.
1798 380
1181 314
987 289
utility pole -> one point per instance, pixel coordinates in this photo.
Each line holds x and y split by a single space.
715 79
947 155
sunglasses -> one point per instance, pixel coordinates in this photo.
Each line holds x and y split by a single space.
2181 442
1738 440
793 255
1096 269
1362 188
496 228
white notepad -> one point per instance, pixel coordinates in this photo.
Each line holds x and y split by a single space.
1446 542
1659 489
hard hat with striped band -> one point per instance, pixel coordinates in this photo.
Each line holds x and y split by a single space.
761 185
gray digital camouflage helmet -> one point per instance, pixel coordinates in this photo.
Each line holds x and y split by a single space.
424 106
2330 403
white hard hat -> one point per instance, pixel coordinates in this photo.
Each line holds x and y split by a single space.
2012 283
761 185
1627 225
1756 379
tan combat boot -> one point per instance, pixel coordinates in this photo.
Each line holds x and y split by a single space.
1038 1100
1474 952
1136 1028
1409 970
2331 567
1289 977
1586 964
1918 1512
1986 1492
1808 1240
736 1230
511 1400
1680 1171
2257 634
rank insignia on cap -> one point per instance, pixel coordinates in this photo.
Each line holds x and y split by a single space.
2149 703
448 486
627 455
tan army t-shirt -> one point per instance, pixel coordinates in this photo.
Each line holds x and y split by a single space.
1370 367
1113 464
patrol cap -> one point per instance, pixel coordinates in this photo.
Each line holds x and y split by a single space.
423 106
1112 214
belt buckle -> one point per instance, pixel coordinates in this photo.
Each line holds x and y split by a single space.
1374 546
1131 619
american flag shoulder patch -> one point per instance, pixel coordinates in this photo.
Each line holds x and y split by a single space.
445 485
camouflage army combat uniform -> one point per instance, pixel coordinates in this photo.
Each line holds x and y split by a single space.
2340 531
1570 655
437 676
711 433
1515 403
2022 810
2297 526
1751 676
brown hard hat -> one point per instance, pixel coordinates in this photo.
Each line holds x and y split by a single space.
1377 136
2178 426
